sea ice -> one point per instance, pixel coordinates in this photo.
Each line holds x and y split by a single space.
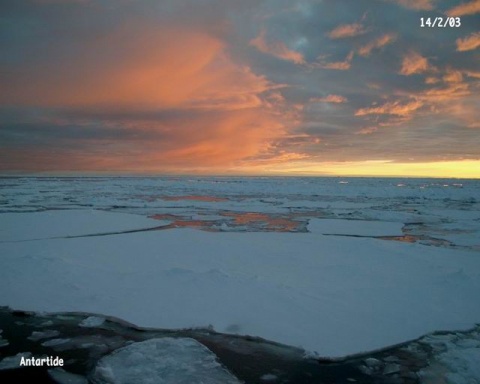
163 361
13 362
457 363
35 336
92 321
55 342
330 294
63 223
63 377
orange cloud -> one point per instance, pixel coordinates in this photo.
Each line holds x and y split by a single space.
465 9
224 112
423 5
367 131
377 43
453 76
431 80
453 101
329 99
337 65
414 63
205 143
473 74
468 43
141 66
392 108
277 49
347 30
452 91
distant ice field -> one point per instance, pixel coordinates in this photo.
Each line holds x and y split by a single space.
335 266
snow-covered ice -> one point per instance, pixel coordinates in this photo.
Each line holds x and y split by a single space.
63 223
92 321
35 336
334 295
457 360
13 362
163 361
55 342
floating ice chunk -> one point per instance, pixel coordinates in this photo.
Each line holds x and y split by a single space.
13 362
63 377
35 336
55 342
3 342
162 360
92 321
372 362
391 368
355 227
268 377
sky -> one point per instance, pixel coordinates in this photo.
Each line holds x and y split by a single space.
255 87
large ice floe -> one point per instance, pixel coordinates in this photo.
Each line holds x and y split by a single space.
66 223
330 286
333 295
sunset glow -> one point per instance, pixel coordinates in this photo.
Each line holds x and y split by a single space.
455 169
317 87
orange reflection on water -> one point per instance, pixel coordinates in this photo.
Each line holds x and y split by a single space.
253 220
279 224
420 238
179 222
403 239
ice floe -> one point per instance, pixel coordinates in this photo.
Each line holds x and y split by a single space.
330 294
92 321
64 223
13 362
162 360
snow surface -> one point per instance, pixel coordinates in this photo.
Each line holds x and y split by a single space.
332 295
162 361
355 227
62 223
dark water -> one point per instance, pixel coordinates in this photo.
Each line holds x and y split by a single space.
247 358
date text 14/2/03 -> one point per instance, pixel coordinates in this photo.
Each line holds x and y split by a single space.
440 22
